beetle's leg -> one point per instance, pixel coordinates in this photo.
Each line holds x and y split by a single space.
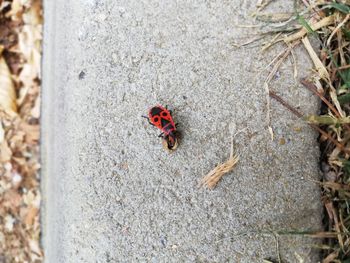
148 120
161 135
177 125
170 111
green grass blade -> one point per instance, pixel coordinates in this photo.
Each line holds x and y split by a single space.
305 24
341 7
344 99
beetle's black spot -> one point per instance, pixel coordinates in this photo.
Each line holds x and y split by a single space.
164 122
155 111
156 119
82 74
164 114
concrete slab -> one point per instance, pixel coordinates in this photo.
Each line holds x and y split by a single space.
112 194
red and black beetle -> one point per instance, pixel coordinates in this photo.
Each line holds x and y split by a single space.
160 117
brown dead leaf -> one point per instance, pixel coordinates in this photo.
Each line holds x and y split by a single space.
32 212
20 35
16 10
36 109
7 90
33 16
5 152
8 34
12 199
20 160
3 5
29 44
2 133
32 132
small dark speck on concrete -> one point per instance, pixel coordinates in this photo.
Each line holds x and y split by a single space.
184 97
82 74
108 257
163 240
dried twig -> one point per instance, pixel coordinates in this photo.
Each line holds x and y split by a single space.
313 88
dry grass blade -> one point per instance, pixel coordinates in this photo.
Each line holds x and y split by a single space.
321 69
315 26
337 29
323 235
313 88
214 176
272 42
284 55
274 17
331 257
7 90
262 4
323 73
336 186
329 21
333 215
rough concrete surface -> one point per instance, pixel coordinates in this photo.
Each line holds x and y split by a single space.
112 194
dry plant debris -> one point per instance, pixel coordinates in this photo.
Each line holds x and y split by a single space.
20 53
214 176
328 22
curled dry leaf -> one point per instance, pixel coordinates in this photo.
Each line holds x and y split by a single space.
29 44
7 89
3 5
16 10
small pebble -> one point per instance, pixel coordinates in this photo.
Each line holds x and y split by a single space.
82 74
